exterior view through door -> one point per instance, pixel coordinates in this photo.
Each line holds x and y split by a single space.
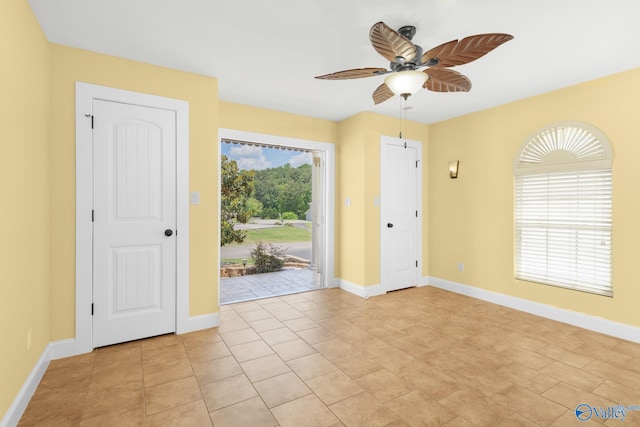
134 228
280 211
400 213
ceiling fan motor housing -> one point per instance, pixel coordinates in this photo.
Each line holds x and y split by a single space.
401 63
407 31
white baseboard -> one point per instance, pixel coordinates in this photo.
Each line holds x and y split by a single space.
196 323
359 290
582 320
19 404
67 348
62 348
372 290
333 283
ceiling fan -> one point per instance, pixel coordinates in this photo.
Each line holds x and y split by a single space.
406 58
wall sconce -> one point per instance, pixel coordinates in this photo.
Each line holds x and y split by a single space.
453 169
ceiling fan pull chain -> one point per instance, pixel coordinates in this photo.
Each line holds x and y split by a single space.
404 108
400 134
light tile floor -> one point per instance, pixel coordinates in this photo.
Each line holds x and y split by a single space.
418 357
265 285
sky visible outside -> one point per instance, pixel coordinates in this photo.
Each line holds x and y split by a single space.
255 157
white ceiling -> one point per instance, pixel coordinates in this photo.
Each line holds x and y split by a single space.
266 53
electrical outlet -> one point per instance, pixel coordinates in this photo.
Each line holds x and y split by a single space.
461 267
195 197
29 339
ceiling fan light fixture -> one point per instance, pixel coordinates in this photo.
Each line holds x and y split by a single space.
406 83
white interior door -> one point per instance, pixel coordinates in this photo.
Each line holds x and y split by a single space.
134 228
400 173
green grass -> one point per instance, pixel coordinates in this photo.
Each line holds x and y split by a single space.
277 235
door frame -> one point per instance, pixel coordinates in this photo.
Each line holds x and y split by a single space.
85 94
419 177
329 181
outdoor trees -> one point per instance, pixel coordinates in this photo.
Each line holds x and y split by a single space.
236 189
284 189
282 192
254 206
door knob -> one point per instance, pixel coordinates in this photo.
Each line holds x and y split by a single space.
168 232
389 225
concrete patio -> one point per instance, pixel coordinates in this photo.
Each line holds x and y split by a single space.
265 285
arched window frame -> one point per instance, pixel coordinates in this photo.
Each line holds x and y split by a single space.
563 189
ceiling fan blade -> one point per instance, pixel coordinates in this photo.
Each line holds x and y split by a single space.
356 73
391 44
445 80
382 93
458 52
438 52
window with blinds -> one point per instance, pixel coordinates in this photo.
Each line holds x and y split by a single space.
563 209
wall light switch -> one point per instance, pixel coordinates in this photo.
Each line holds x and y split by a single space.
347 201
376 202
195 198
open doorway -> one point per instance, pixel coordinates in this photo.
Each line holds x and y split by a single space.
287 216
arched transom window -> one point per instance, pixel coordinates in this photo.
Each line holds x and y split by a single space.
563 208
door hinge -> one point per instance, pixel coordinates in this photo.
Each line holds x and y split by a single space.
416 163
90 115
416 263
92 309
416 214
92 215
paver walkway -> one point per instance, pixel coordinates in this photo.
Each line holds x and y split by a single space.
255 286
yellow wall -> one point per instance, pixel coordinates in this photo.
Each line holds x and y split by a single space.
471 218
25 102
350 177
70 65
270 122
358 176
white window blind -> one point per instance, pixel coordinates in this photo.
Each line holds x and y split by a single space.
563 229
563 209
